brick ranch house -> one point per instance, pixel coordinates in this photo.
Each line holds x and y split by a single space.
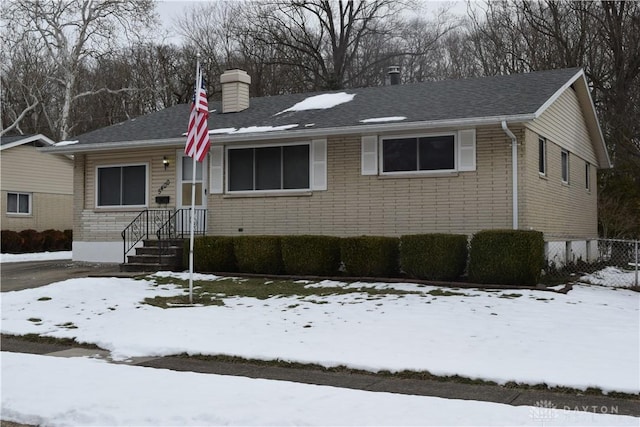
458 156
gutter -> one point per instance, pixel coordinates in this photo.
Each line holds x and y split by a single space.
514 172
220 139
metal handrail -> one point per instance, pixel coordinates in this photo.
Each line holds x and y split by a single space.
140 227
170 229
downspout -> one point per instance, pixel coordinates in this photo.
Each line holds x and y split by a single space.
514 172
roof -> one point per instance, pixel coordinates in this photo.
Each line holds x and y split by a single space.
39 140
469 102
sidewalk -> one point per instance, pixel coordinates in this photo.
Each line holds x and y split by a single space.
360 381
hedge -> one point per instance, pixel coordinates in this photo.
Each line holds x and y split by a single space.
514 257
311 255
433 256
370 256
211 254
29 241
258 254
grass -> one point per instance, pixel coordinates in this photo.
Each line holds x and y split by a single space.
213 292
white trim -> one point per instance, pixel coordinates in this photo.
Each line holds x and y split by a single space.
98 251
180 156
121 165
514 176
18 194
219 139
557 94
267 192
216 169
318 154
567 181
369 155
454 134
27 139
544 155
467 147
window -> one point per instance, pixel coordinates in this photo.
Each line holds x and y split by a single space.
19 203
564 157
122 185
587 176
273 168
542 156
416 154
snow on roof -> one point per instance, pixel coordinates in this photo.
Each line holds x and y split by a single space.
220 130
321 102
62 143
264 128
383 119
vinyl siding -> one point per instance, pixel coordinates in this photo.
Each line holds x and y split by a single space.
25 169
564 124
49 180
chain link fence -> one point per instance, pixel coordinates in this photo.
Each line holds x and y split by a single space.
604 262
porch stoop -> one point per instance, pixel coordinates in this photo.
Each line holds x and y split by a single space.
155 255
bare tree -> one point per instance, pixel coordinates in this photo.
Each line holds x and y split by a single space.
71 33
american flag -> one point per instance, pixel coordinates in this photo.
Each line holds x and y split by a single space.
198 131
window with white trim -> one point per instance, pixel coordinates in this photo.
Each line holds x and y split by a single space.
564 165
19 203
268 168
419 154
542 156
587 176
124 185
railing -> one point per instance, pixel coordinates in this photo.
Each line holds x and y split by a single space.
606 262
142 226
178 225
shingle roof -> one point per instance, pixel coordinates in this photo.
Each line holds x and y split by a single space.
518 94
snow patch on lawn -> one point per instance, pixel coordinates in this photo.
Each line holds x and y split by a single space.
611 276
589 337
37 256
45 390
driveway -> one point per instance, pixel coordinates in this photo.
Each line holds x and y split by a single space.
15 276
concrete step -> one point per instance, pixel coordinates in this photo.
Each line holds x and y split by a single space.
171 242
154 259
155 250
148 268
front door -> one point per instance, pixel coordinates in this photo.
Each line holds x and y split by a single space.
185 181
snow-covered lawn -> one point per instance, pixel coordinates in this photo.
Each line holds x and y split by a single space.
611 276
45 390
587 338
38 256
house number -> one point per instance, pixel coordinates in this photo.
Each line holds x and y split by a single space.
163 186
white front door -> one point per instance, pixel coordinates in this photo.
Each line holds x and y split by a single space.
185 181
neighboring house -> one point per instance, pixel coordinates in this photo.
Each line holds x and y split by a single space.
37 188
432 157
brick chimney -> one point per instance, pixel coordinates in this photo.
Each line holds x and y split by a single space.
235 91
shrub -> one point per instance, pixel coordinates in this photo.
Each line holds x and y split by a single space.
69 239
370 256
514 257
11 242
32 241
212 253
258 254
53 240
311 255
434 256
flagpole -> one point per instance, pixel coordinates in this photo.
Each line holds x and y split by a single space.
193 194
